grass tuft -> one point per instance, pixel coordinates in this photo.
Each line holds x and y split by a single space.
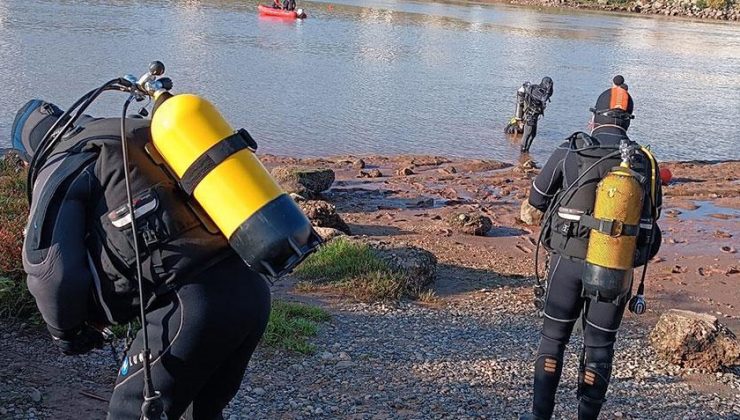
15 300
352 269
292 324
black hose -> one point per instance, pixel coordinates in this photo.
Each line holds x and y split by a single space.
152 407
48 143
148 386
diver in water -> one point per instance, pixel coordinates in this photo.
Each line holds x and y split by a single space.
206 309
566 190
531 101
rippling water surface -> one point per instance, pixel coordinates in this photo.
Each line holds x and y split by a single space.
387 77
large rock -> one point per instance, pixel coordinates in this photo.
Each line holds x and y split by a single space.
530 215
418 265
695 340
470 223
323 214
306 182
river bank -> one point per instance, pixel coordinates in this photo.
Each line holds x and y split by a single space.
723 10
468 352
697 267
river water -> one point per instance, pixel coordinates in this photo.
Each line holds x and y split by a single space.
385 77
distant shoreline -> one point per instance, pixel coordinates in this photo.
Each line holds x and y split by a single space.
729 11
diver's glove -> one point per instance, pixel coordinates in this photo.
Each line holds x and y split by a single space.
77 341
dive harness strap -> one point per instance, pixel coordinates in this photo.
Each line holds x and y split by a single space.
609 227
214 156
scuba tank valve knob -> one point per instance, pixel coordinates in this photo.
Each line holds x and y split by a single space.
156 68
164 83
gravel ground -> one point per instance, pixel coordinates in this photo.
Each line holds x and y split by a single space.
468 356
460 359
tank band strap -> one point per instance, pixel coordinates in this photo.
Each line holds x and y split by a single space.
214 156
609 227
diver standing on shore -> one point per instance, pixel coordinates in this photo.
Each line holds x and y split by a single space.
531 101
119 228
207 311
600 222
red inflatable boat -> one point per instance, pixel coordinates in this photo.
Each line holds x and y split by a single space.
288 14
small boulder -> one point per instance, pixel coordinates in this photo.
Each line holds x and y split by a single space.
418 265
471 223
306 182
323 214
358 164
405 171
327 233
529 164
530 215
695 340
297 197
375 173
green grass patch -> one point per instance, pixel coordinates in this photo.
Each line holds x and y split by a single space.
291 325
15 300
351 268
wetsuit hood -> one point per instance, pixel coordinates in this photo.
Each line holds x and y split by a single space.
547 84
30 125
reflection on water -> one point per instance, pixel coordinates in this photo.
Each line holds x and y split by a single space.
705 209
384 76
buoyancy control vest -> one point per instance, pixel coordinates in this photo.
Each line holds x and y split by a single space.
176 241
536 98
565 233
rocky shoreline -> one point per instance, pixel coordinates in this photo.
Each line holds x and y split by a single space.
722 10
467 351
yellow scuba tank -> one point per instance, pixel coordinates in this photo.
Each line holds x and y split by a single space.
218 167
615 223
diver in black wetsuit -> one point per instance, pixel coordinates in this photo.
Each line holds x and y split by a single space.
206 310
567 243
531 103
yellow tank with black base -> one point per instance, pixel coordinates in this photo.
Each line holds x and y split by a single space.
611 246
217 165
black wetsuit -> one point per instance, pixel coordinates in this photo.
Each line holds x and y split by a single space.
564 300
203 327
203 334
535 102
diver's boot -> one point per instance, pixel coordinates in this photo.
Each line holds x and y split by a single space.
589 408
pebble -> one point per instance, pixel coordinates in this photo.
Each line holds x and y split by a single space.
466 359
462 359
35 395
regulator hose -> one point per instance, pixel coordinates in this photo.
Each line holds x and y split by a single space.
152 408
54 134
